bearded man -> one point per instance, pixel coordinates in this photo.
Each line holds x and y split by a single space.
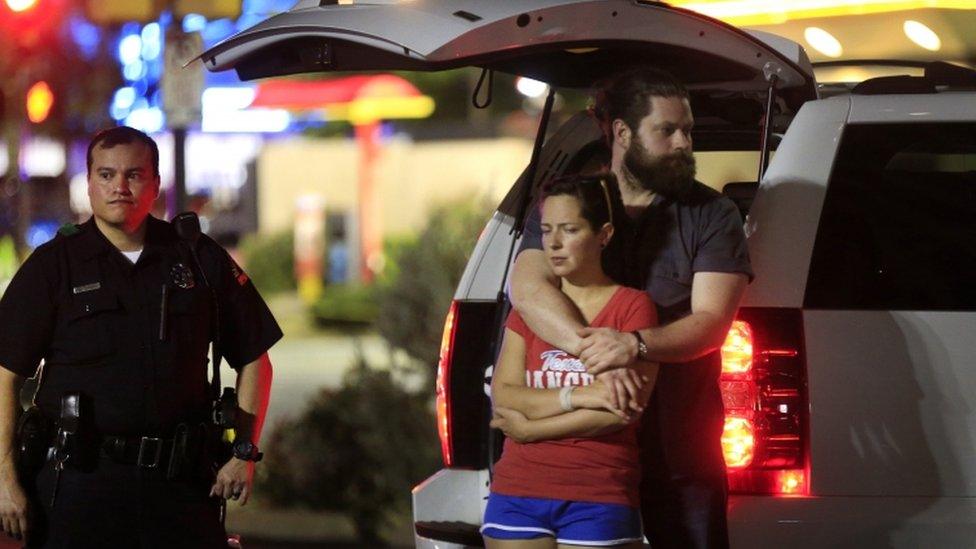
684 244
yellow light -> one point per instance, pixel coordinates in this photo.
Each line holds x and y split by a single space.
823 41
40 99
373 109
772 12
737 349
922 35
21 5
738 442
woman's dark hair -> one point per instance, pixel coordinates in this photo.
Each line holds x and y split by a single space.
598 196
627 96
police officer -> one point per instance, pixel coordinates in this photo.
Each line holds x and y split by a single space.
122 311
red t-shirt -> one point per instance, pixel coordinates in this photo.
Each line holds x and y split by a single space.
603 469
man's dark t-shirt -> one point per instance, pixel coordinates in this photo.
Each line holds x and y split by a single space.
662 250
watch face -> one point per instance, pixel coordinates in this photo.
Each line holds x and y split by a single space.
243 449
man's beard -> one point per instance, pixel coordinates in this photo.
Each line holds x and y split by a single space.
671 175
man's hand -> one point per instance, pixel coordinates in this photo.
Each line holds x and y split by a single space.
234 480
511 422
605 349
13 504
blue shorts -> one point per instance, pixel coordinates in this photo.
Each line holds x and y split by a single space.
570 522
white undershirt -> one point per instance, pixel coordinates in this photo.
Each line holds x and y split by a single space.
133 256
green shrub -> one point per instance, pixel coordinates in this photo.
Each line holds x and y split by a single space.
270 261
357 450
345 306
415 299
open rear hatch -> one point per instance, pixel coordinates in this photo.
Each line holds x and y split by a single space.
565 43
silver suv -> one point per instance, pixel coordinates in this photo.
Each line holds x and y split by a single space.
848 375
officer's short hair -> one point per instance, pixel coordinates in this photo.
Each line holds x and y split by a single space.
123 135
627 96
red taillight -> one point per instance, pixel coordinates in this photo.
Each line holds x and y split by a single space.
444 388
763 388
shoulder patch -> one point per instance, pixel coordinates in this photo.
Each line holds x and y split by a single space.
69 229
235 271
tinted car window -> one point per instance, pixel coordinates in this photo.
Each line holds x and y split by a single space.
898 227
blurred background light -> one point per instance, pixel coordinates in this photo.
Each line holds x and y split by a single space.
40 232
134 71
823 41
130 48
43 157
194 22
147 119
922 35
531 88
85 35
152 43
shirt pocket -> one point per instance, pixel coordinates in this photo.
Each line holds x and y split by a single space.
669 282
91 327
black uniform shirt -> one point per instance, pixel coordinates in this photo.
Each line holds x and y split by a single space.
94 317
663 248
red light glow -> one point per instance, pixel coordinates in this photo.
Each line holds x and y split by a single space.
737 349
791 482
443 396
738 442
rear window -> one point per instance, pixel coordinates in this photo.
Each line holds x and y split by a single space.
898 228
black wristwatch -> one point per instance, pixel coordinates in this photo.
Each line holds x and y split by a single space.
246 450
641 346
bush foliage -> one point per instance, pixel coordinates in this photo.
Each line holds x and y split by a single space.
346 306
270 261
415 298
358 450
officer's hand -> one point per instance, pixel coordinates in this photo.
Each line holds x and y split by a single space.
13 505
234 480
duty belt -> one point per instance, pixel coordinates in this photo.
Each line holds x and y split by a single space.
170 455
148 452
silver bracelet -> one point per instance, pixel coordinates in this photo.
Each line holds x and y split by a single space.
566 398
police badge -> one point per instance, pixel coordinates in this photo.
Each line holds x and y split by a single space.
182 276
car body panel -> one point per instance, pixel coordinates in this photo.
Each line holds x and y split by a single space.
893 403
855 522
484 273
894 109
782 223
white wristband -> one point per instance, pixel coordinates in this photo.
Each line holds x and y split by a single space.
566 398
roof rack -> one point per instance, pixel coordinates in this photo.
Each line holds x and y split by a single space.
936 75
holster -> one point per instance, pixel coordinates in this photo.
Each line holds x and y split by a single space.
34 435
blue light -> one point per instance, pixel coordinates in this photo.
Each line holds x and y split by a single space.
134 71
117 113
86 36
130 48
152 43
40 232
124 98
194 22
147 120
218 30
141 87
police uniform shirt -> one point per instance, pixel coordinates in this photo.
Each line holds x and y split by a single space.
661 250
94 318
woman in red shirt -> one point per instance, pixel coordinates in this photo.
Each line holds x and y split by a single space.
569 472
